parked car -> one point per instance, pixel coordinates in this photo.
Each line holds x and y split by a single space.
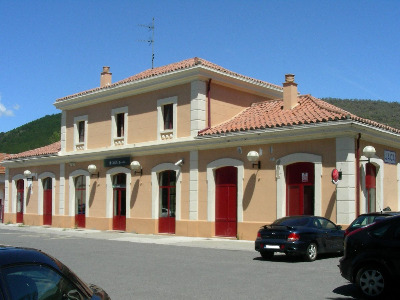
372 257
368 218
300 235
32 274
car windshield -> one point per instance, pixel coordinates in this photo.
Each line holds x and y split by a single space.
301 221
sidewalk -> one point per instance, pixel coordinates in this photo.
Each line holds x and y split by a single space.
200 242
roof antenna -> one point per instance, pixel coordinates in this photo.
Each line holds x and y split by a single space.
150 41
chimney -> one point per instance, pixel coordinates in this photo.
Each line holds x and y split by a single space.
105 78
289 92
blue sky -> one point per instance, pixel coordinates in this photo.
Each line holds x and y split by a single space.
53 48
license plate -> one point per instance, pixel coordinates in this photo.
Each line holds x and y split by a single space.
271 247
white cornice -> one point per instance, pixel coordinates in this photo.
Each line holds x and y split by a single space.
174 78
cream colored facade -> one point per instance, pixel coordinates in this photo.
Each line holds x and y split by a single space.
201 97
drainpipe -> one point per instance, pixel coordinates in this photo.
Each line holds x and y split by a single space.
358 175
208 108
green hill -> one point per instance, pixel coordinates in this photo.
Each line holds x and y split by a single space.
35 134
383 112
46 130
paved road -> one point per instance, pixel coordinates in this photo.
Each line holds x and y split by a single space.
133 266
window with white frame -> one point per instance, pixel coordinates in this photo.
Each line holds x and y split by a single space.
80 132
119 131
167 118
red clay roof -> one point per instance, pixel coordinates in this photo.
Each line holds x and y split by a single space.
270 114
46 150
2 157
185 64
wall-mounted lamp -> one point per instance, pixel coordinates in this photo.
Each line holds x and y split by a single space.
29 178
179 162
369 152
136 167
28 174
253 156
92 170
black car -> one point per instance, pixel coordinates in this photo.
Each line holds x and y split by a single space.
368 218
31 274
372 257
300 235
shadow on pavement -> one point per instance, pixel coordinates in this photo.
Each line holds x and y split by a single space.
280 257
348 291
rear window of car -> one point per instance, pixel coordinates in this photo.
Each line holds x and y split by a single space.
292 222
362 221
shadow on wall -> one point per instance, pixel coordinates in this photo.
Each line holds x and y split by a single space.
28 196
249 191
135 192
92 193
331 204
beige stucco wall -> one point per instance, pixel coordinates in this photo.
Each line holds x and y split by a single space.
227 102
142 118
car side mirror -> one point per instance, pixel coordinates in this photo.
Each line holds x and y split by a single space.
339 227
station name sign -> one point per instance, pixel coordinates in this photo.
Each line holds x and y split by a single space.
117 161
390 157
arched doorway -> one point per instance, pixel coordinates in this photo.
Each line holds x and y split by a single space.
47 201
300 189
226 202
80 201
166 221
119 202
370 185
20 201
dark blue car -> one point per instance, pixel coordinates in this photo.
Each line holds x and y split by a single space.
300 235
32 274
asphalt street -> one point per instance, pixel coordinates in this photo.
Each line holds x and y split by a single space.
135 266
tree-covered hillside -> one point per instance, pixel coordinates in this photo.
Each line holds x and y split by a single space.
46 130
387 113
35 134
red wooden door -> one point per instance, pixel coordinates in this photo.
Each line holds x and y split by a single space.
1 211
370 185
300 189
20 201
226 202
80 202
166 221
119 202
47 201
119 218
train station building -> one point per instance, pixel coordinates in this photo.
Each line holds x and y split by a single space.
194 149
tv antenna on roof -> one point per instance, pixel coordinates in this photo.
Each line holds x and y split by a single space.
150 41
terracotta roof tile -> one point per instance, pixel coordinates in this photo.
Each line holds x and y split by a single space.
270 114
42 151
2 157
182 65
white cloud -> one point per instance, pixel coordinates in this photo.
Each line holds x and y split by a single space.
16 106
5 111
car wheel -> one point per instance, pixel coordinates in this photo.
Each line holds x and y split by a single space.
312 252
267 255
372 281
